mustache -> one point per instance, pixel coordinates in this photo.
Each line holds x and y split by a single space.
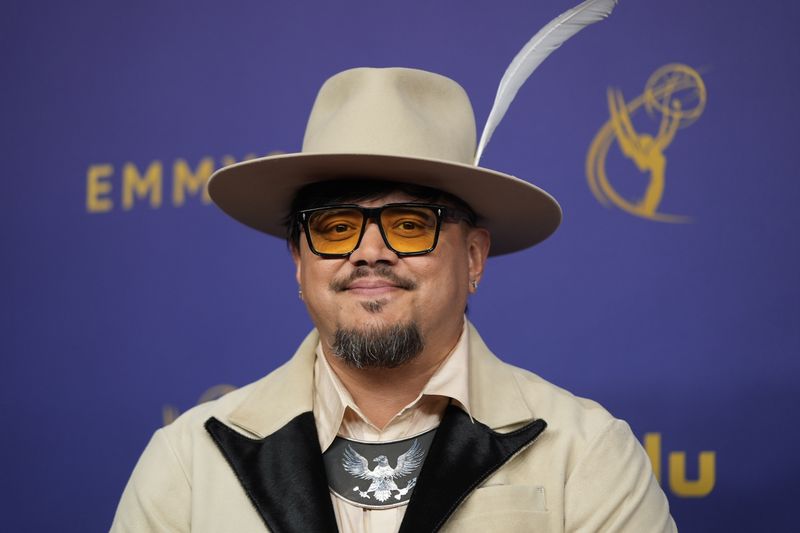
380 271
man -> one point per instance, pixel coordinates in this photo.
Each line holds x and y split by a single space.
392 415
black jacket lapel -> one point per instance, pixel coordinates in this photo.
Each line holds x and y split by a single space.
462 455
282 474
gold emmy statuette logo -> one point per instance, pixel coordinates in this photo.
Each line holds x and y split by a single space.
675 95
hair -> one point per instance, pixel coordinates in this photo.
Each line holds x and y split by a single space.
333 192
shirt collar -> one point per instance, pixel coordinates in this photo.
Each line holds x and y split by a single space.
331 397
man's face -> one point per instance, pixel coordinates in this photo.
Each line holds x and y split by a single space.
374 289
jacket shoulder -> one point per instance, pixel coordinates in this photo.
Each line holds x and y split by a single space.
220 408
263 406
573 418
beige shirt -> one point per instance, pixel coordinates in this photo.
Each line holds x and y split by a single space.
336 413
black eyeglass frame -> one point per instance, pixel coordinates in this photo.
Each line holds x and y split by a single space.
442 213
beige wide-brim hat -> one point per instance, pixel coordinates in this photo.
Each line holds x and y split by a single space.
392 124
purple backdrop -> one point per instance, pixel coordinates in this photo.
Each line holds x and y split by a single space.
121 308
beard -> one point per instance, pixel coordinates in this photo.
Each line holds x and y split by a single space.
378 347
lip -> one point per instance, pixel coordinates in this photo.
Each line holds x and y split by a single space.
371 287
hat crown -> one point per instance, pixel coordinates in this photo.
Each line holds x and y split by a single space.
392 111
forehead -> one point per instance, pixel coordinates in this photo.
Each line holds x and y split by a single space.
380 199
361 191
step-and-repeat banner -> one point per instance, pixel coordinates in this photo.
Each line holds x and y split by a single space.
670 294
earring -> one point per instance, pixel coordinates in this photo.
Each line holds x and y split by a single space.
474 285
300 293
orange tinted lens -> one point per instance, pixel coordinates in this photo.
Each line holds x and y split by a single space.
335 231
409 229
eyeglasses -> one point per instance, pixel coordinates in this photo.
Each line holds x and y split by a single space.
406 228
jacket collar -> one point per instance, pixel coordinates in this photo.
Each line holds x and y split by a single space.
495 397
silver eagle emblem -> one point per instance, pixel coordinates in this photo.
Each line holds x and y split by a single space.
383 476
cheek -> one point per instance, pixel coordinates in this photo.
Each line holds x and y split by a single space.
316 296
456 262
315 276
446 282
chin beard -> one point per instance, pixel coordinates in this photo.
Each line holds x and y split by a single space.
378 347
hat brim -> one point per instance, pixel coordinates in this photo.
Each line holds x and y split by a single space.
259 192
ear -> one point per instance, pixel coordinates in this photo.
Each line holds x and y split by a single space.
478 243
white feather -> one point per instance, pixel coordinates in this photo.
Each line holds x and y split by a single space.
534 52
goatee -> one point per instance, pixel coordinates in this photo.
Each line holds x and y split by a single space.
378 347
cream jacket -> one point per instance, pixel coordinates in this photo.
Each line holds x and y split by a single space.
535 458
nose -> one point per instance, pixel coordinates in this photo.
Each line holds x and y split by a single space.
373 249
